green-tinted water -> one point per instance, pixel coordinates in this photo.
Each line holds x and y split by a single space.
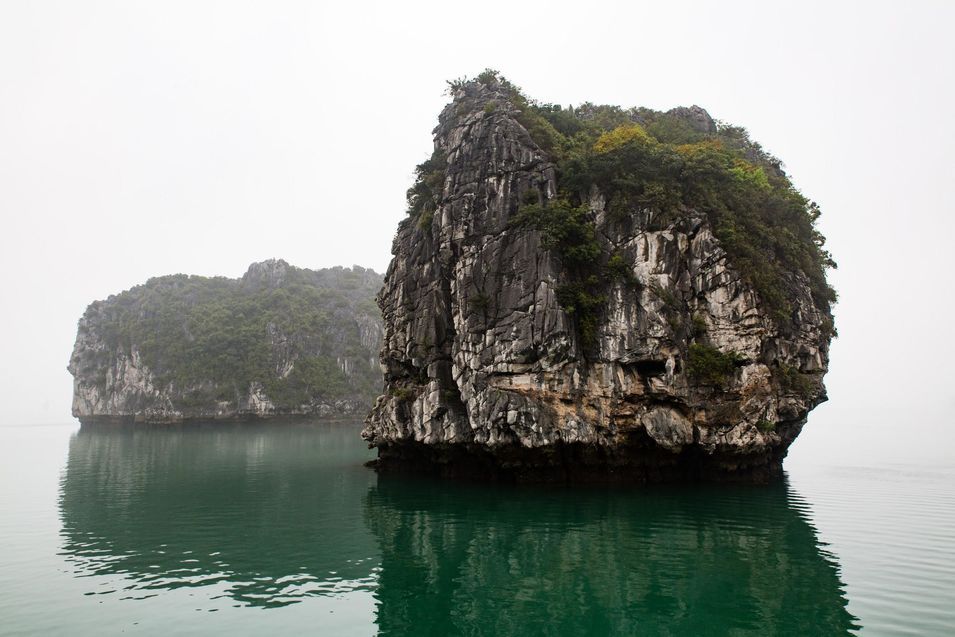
280 528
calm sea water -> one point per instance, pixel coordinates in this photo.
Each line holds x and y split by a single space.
281 529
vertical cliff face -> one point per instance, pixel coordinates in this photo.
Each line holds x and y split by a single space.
677 368
280 341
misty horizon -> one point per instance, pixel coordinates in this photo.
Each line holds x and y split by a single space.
140 141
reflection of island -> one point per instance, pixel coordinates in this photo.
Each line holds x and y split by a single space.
460 559
270 514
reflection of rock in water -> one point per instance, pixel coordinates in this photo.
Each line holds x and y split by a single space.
269 513
715 561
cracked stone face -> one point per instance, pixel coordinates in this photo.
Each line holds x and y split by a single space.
478 353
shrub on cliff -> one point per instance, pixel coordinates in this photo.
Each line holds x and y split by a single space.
425 194
567 230
709 365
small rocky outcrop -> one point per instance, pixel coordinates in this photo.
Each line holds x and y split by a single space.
281 341
656 345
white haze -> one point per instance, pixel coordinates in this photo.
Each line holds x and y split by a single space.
147 138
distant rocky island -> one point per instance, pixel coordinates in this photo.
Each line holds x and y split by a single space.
279 342
599 293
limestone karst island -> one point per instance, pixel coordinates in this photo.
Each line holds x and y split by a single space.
599 292
279 342
589 293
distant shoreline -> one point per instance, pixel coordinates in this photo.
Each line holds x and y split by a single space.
109 422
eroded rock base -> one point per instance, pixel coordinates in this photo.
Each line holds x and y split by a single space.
634 462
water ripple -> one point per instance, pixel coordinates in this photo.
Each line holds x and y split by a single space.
281 529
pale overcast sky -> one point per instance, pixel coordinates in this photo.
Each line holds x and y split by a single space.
148 138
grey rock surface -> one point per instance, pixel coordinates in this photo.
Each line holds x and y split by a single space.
481 360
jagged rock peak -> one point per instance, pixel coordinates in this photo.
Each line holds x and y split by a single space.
271 272
598 291
695 116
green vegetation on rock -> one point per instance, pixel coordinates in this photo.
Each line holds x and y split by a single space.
791 379
709 365
293 331
425 194
566 230
671 164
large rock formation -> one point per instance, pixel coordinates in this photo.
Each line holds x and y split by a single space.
280 341
680 367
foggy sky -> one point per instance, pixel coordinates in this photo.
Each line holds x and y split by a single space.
147 138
